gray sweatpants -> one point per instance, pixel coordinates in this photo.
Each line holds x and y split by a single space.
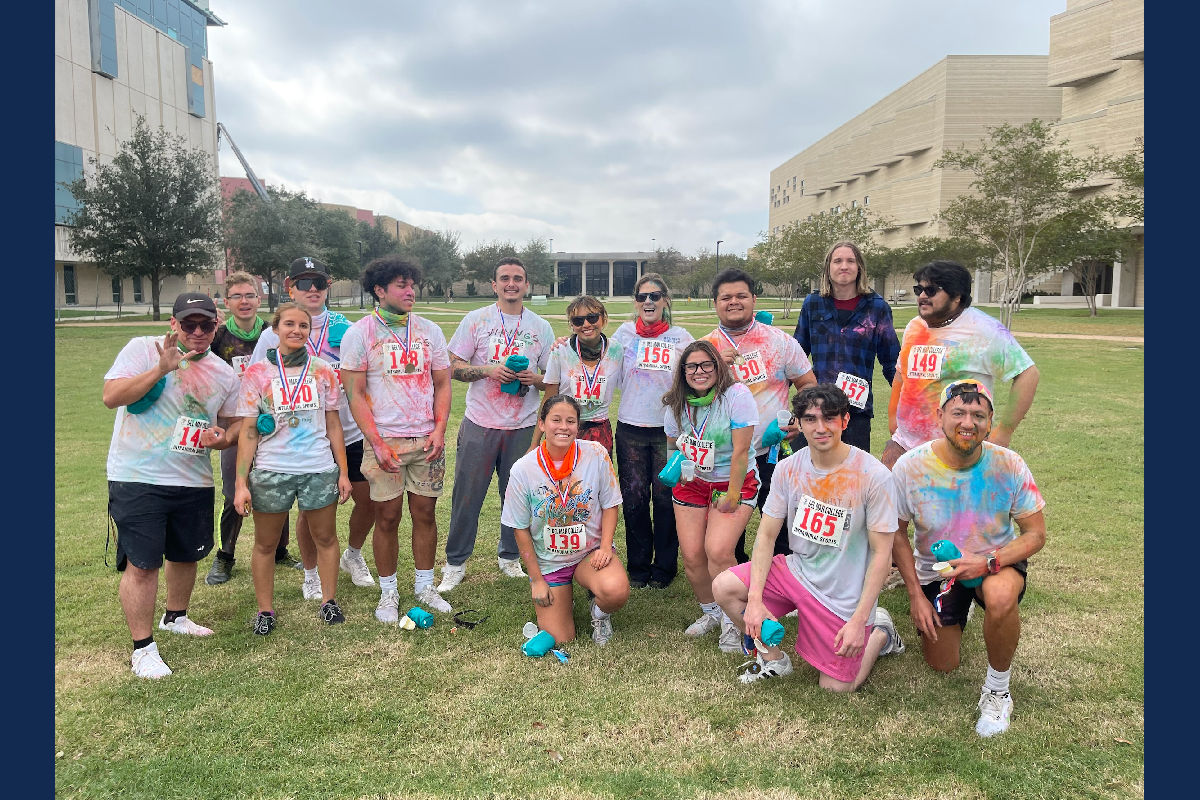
480 452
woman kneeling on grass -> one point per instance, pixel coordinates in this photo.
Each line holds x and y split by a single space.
562 501
713 417
293 436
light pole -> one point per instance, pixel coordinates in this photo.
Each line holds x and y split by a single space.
360 266
718 264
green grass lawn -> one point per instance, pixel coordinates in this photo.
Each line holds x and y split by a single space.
364 711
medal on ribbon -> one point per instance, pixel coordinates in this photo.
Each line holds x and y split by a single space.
406 345
315 349
508 340
561 486
590 381
739 359
290 398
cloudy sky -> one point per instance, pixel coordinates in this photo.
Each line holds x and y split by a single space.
602 125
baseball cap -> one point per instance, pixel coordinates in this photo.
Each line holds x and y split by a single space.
966 386
306 265
194 303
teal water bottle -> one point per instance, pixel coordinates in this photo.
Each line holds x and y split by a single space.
671 472
421 617
944 550
539 645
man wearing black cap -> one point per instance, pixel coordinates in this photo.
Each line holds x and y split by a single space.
308 284
175 400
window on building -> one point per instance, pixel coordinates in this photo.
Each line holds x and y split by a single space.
137 290
854 204
867 200
116 290
68 165
69 296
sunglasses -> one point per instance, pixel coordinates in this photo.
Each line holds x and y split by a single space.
653 297
919 290
699 366
593 318
306 284
206 326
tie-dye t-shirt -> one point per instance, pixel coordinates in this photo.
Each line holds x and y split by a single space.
161 446
327 344
479 340
644 380
304 449
975 508
972 346
716 423
399 392
835 509
563 531
565 370
771 359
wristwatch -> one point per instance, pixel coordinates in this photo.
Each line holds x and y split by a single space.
993 566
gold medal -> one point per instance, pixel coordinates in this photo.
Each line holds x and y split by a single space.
293 421
409 368
183 364
739 360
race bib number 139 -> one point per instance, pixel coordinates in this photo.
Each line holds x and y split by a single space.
563 539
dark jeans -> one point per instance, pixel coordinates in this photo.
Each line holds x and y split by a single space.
652 549
231 520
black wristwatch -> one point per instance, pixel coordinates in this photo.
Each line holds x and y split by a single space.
993 566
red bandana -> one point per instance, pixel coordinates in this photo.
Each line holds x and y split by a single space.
651 331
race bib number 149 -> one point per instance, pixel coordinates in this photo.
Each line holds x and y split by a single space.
925 362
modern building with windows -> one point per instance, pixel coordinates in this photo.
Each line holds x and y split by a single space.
598 274
113 61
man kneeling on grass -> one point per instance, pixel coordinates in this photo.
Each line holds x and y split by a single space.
837 501
974 494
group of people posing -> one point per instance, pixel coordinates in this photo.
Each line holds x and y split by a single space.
314 411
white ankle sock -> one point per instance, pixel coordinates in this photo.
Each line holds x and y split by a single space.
354 551
310 573
596 612
424 578
997 681
388 582
712 609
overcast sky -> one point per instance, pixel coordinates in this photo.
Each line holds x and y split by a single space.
602 125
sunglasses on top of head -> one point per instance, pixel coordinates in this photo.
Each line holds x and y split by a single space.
653 297
919 290
205 325
593 318
305 284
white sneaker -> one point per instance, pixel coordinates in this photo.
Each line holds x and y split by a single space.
706 623
894 643
731 638
147 663
360 573
761 669
311 587
430 597
388 610
182 625
995 708
451 576
511 567
602 629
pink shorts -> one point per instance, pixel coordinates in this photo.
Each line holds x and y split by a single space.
697 492
816 625
563 576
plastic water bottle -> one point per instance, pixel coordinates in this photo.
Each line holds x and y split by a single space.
944 550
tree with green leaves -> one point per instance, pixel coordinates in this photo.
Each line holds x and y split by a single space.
264 238
1027 186
436 253
152 212
539 264
479 265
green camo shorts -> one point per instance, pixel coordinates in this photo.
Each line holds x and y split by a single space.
274 492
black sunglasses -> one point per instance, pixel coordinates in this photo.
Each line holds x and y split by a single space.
931 290
592 318
305 284
653 297
205 325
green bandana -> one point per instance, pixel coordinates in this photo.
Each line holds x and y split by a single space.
232 326
704 399
196 357
392 319
291 360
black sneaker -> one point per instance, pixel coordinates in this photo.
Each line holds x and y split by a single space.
657 584
285 559
331 612
264 623
635 583
220 572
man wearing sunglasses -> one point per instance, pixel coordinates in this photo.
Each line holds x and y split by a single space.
175 403
948 341
982 498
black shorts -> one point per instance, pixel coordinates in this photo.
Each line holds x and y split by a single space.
153 522
957 603
354 461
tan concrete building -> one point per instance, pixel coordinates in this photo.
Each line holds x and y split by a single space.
115 60
1098 59
883 159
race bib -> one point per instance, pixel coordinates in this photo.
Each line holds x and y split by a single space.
398 361
307 400
239 364
925 362
820 522
855 388
337 370
498 351
655 355
702 451
751 370
186 438
565 539
591 395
